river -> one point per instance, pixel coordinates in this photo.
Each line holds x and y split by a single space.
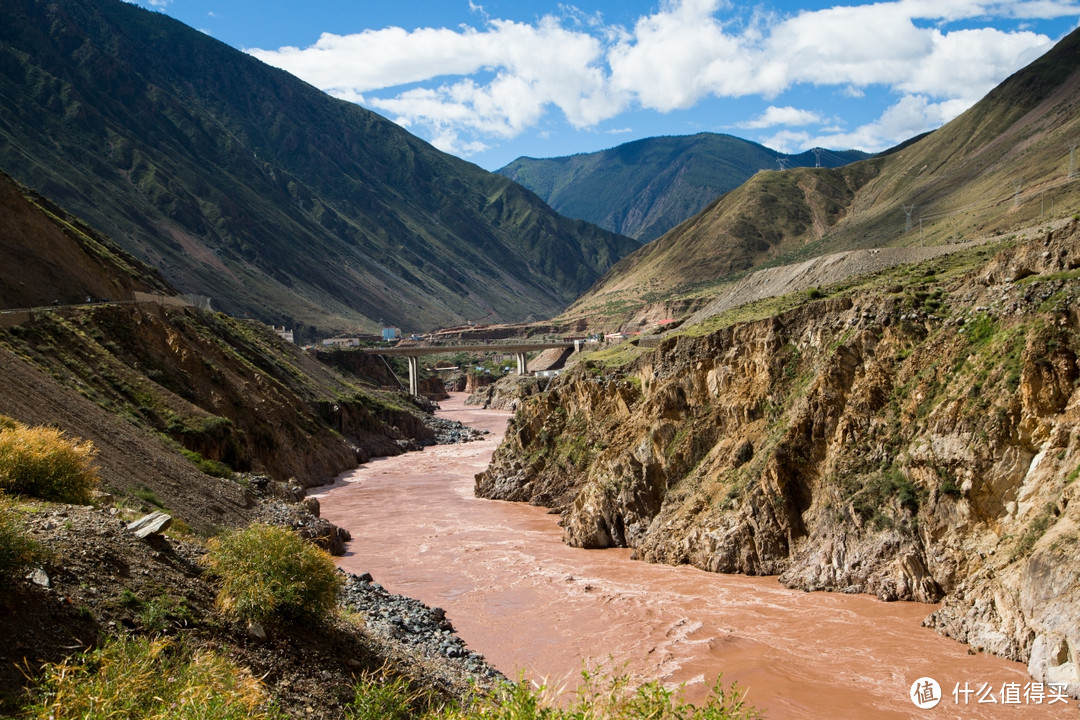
531 604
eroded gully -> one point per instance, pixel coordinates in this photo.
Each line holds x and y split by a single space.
531 604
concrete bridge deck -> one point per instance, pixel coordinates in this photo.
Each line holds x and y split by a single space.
413 352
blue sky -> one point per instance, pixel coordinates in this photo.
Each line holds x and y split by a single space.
492 81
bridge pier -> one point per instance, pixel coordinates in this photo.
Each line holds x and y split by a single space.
522 363
414 374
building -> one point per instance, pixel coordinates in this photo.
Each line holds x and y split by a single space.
391 333
342 342
286 335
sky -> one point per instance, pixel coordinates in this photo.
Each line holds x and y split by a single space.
491 81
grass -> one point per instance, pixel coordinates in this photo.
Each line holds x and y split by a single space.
148 679
44 463
270 574
18 551
601 696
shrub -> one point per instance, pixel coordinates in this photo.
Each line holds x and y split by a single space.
270 573
18 551
603 697
150 679
42 462
384 699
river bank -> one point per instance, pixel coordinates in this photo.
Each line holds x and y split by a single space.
527 602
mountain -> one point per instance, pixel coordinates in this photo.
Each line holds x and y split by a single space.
1007 162
240 182
646 187
47 255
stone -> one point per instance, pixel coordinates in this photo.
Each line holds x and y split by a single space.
155 523
256 631
311 505
39 577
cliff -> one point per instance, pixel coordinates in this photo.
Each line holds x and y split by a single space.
914 436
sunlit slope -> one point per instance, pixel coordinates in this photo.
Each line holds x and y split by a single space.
1003 164
646 187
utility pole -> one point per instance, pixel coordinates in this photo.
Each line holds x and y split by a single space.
908 209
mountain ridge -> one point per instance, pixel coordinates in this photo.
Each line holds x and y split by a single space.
645 187
242 182
999 166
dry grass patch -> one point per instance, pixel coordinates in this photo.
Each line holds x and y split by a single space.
42 462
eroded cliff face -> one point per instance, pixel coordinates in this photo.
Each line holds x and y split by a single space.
918 441
228 390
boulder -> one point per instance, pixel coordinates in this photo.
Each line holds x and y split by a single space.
155 523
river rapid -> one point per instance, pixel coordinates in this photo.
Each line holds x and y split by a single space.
532 605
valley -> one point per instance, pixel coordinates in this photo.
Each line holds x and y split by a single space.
531 604
816 429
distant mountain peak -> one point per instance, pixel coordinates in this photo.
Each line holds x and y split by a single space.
645 187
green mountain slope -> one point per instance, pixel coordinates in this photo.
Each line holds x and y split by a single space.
243 183
1002 165
645 188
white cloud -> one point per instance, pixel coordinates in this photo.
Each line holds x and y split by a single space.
467 87
788 115
910 116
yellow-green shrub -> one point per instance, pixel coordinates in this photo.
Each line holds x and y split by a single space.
42 462
151 680
270 573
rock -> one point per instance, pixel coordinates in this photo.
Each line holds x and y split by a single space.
311 504
256 631
102 499
39 577
153 524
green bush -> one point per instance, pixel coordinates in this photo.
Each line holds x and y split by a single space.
384 699
270 573
151 680
18 551
42 462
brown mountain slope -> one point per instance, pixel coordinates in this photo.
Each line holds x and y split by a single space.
47 255
1003 164
915 438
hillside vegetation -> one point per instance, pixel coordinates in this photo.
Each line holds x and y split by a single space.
645 188
911 434
242 183
1001 166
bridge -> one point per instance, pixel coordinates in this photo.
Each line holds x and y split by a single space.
412 353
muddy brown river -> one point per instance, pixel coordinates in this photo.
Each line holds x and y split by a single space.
531 604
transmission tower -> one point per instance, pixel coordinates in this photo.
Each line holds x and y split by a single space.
817 157
1016 195
908 209
783 162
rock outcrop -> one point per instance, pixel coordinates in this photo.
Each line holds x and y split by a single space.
916 439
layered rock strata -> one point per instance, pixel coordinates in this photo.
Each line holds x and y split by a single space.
917 439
